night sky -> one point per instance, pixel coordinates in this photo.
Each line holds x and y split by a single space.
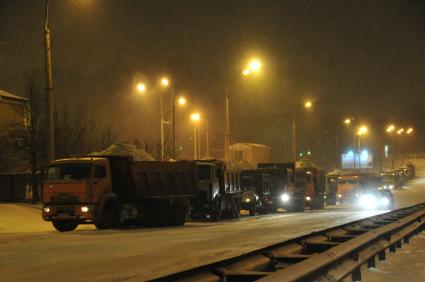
364 59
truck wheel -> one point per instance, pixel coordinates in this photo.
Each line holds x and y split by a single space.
236 209
179 215
109 217
163 217
64 226
218 211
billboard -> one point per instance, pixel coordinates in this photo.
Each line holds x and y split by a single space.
353 160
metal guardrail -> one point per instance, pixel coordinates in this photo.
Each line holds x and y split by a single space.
328 255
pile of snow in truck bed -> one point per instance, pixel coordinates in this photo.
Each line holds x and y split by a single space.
126 149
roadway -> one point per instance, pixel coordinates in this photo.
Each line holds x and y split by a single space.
30 249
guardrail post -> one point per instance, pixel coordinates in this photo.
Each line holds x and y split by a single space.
398 244
371 262
381 255
356 275
392 248
406 239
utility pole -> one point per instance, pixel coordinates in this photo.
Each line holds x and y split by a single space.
49 88
162 127
207 141
227 124
174 123
294 139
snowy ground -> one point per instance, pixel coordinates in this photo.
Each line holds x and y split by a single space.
31 250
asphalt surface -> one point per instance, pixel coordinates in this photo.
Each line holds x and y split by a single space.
30 249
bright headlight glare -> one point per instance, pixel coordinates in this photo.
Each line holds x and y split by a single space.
308 198
385 202
247 200
339 196
284 197
84 209
368 201
46 209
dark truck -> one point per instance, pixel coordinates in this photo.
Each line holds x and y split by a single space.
315 194
272 186
109 191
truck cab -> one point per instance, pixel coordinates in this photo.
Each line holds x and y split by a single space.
73 189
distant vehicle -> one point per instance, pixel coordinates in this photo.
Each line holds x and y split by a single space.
390 180
110 191
274 186
375 199
347 188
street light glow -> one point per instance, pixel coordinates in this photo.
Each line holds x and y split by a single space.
254 65
362 130
141 87
195 116
390 128
165 82
400 131
347 121
410 130
182 101
246 72
308 104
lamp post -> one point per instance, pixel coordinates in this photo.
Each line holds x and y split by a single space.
196 117
49 87
307 105
362 130
253 66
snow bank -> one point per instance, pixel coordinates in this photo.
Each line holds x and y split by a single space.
125 149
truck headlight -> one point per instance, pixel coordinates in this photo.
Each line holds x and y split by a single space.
368 201
339 196
284 197
391 186
46 209
384 201
308 198
247 200
84 209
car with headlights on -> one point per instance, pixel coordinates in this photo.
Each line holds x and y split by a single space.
372 199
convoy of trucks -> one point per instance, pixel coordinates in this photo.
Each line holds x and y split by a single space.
113 191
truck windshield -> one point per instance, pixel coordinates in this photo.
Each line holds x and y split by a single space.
69 171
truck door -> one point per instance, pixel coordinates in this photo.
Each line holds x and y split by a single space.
101 182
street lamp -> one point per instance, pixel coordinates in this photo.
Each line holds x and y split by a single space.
308 104
196 117
347 121
49 86
253 66
362 130
390 128
182 101
141 87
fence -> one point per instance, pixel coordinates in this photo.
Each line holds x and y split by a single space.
16 187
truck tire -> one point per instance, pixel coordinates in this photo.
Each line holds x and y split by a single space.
64 225
236 209
109 218
178 215
218 211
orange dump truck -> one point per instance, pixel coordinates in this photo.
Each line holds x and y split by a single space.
112 190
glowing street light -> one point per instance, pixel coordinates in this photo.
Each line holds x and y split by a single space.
347 121
165 82
390 128
246 72
308 104
409 131
362 130
195 116
182 101
141 87
254 65
400 131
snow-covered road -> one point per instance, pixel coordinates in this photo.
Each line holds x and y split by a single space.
31 250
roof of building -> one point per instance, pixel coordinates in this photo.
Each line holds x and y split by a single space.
7 95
